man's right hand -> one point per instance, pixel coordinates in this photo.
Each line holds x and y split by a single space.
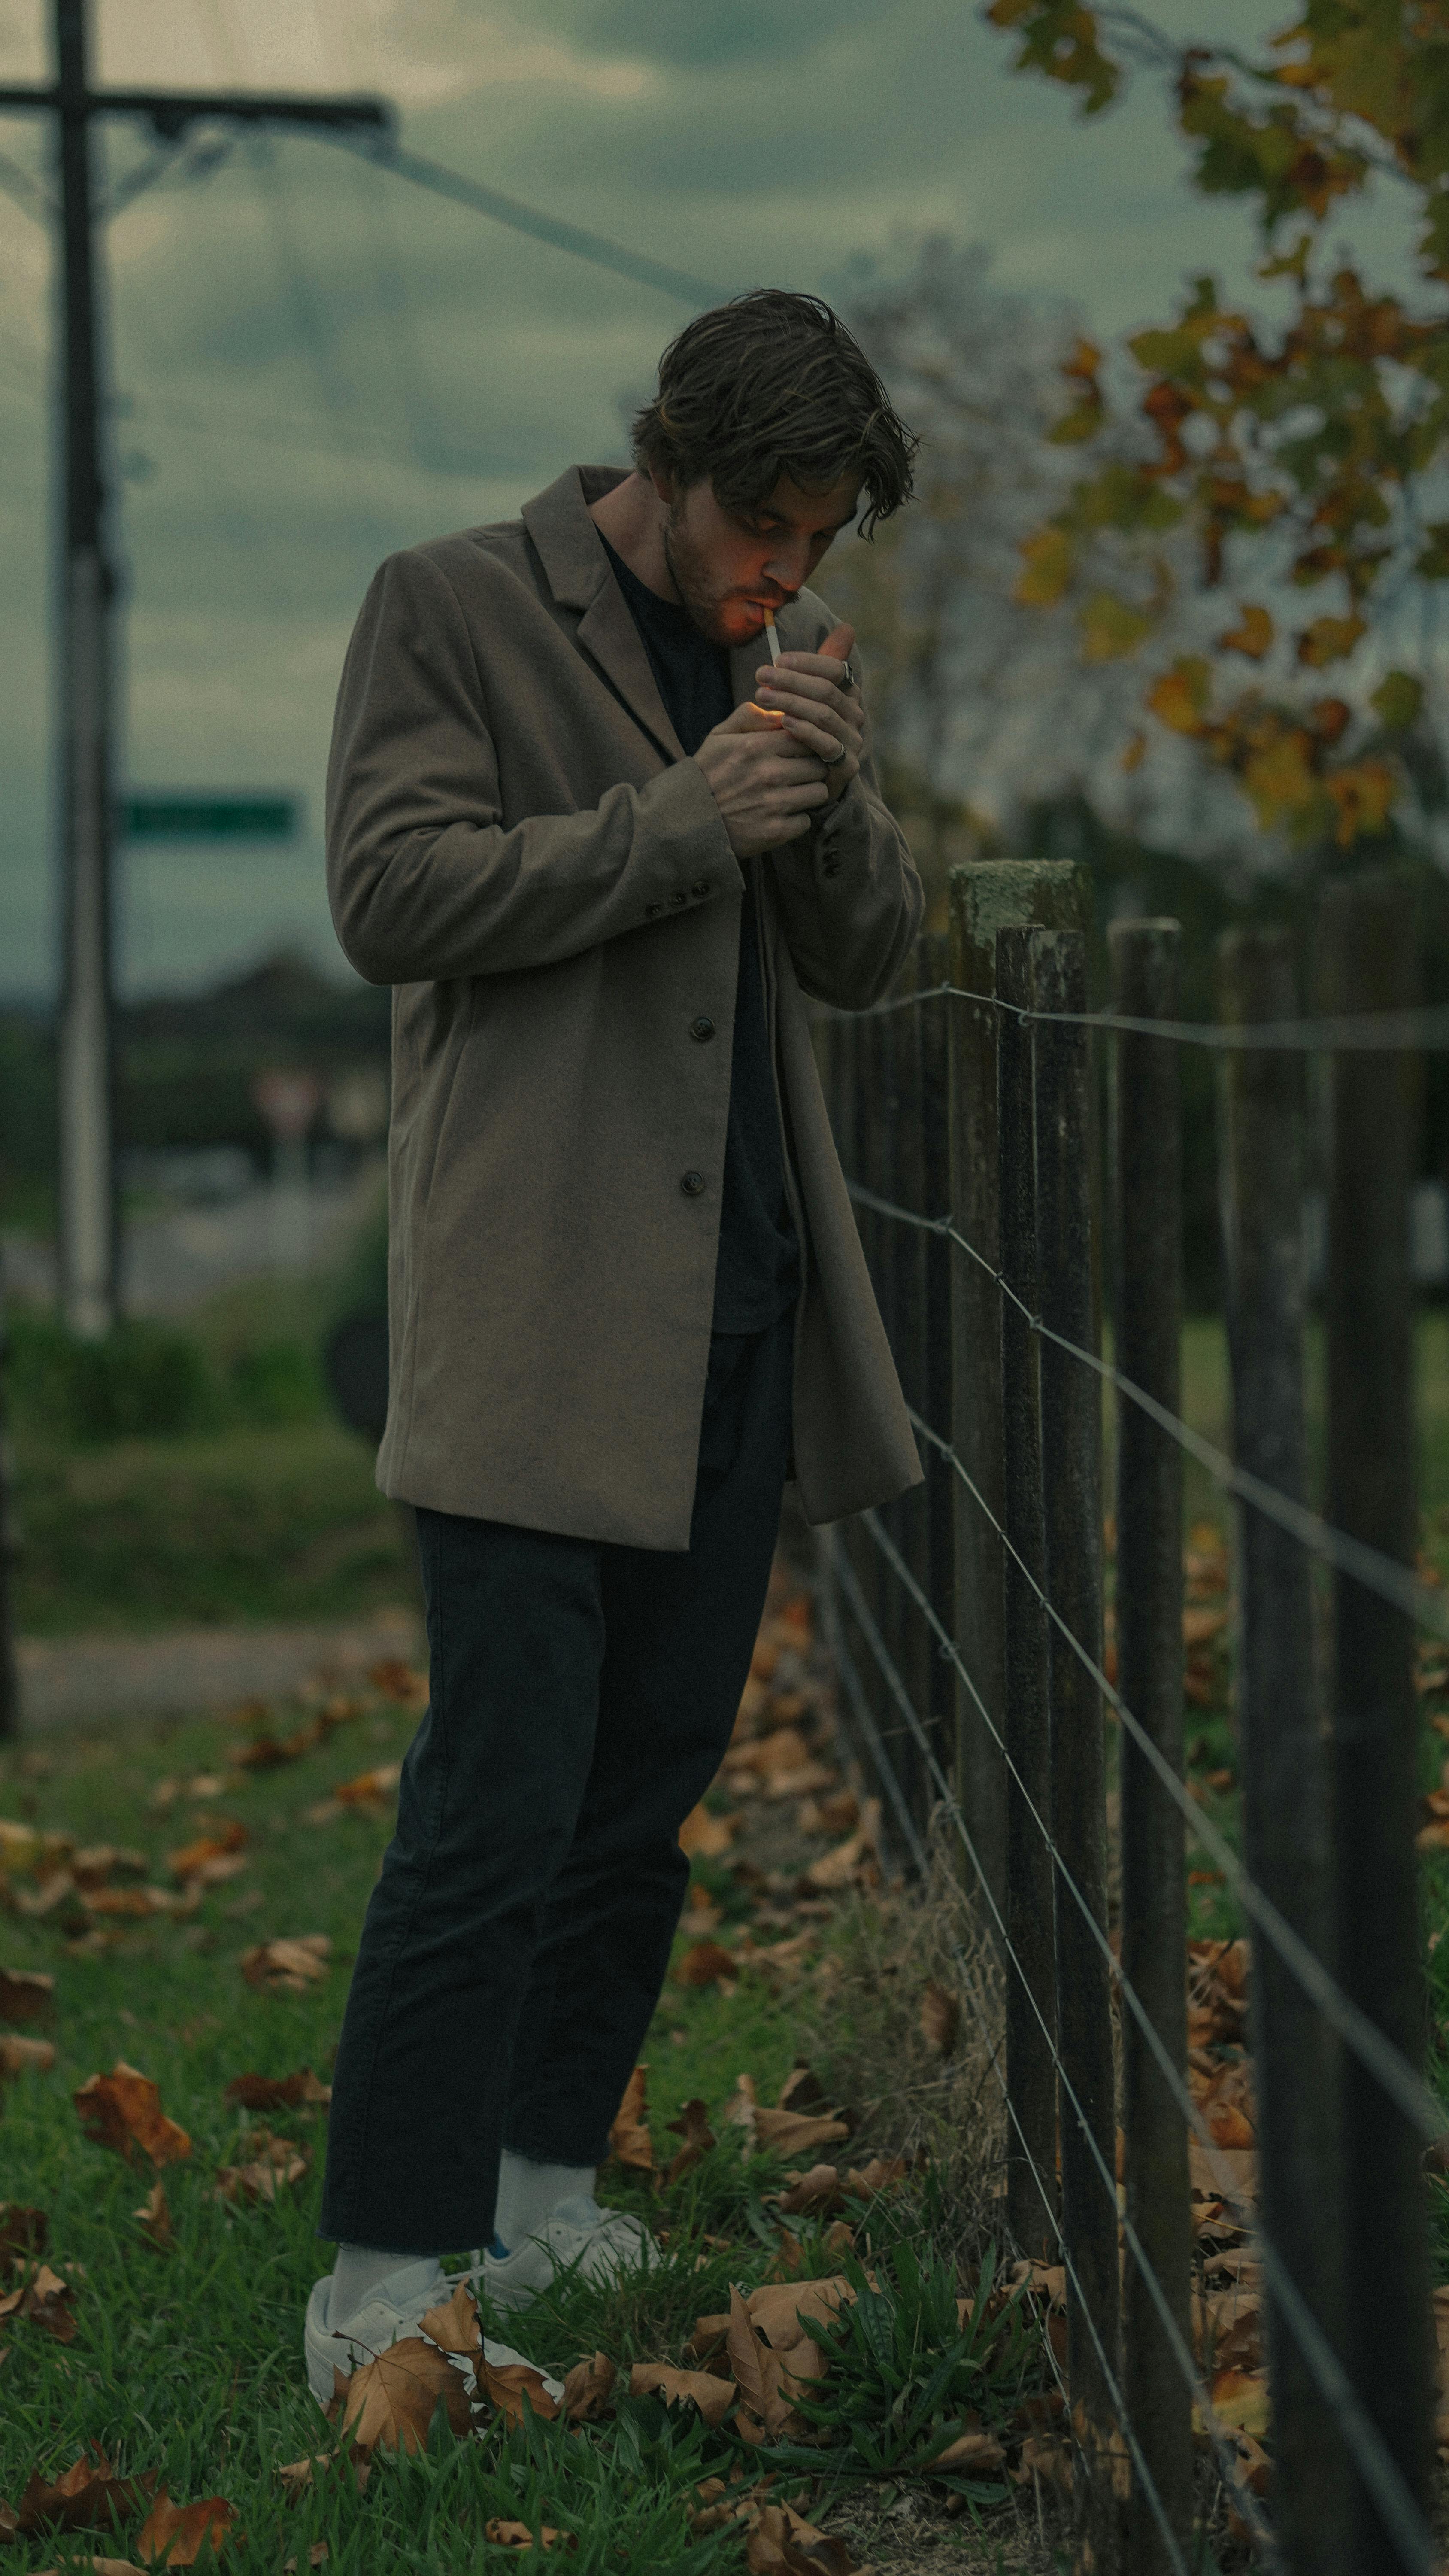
765 786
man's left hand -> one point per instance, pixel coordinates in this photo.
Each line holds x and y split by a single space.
820 712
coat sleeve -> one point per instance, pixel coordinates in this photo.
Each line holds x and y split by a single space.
424 882
850 899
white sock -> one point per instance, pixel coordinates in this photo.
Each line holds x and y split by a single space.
529 2193
356 2273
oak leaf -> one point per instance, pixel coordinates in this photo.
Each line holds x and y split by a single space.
629 2139
123 2110
174 2535
26 1994
714 2397
390 2401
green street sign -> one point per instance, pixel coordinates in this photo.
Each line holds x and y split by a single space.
166 816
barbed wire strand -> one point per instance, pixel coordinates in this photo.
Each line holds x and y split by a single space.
1380 2472
1367 1565
1227 2457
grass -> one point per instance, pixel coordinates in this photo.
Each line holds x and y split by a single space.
187 2365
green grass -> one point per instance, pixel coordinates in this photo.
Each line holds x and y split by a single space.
188 2365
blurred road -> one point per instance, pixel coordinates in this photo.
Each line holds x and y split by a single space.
170 1259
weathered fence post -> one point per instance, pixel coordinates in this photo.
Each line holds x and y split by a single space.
987 895
1146 1272
906 1516
1285 1807
1071 1448
1032 2196
939 1574
871 1076
9 1672
1368 961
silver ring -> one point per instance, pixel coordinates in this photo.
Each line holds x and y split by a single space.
830 757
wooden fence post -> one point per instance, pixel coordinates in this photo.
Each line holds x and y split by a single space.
1368 962
986 896
905 1517
1147 1286
939 1575
1071 1443
9 1671
1297 2065
1032 2194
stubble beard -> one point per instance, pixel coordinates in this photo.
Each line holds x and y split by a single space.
700 603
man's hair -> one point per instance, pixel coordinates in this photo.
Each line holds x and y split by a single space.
769 384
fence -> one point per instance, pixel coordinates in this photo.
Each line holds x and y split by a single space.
999 1211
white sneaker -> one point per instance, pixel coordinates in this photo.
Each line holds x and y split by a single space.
577 2236
395 2307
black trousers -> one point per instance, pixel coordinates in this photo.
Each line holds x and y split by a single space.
515 1944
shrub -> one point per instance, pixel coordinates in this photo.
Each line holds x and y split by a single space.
143 1380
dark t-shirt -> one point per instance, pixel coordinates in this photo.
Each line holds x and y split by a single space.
757 1275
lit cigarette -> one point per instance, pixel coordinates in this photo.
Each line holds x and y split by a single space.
770 631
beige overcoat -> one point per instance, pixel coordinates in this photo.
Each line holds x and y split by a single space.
517 843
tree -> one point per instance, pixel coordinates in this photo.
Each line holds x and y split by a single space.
1300 456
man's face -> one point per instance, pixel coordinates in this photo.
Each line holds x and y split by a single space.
729 568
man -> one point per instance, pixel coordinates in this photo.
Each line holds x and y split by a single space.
601 848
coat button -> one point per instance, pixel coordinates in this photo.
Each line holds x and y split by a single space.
652 910
830 867
701 888
691 1184
701 1028
679 898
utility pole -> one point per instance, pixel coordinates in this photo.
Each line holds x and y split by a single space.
87 585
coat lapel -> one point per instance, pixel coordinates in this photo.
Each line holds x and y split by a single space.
573 558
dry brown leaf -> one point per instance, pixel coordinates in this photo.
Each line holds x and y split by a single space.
291 1966
23 2232
154 2219
87 2497
123 2110
301 2091
1239 2400
970 2455
775 2309
511 2386
398 1681
97 2566
453 2325
173 2535
714 2397
1044 2458
629 2139
819 2189
317 2556
370 1788
588 2390
20 2056
26 1994
227 1836
520 2535
940 2019
42 2299
764 2413
882 2173
270 2164
791 2133
703 1836
782 2543
390 2401
298 2475
707 1963
693 2127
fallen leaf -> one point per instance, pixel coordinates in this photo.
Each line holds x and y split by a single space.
298 2475
453 2325
782 2543
25 2056
317 2556
291 1966
269 2165
714 2397
42 2299
123 2110
397 1681
390 2401
1239 2400
154 2219
588 2390
693 2127
97 2566
88 2497
883 2173
775 2309
707 1963
520 2535
22 2232
370 1788
940 2019
26 1994
970 2455
706 1836
227 1837
819 2189
629 2139
174 2535
509 2386
790 2133
764 2412
278 2092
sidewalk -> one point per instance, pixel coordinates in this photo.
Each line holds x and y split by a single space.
189 1670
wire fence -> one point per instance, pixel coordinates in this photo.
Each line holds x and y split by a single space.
1015 1161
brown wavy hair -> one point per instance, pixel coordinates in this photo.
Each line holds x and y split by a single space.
769 384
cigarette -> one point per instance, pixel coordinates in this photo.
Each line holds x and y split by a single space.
770 632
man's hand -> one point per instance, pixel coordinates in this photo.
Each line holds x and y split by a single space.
765 785
820 711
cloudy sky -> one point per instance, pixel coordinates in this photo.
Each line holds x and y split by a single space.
315 363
